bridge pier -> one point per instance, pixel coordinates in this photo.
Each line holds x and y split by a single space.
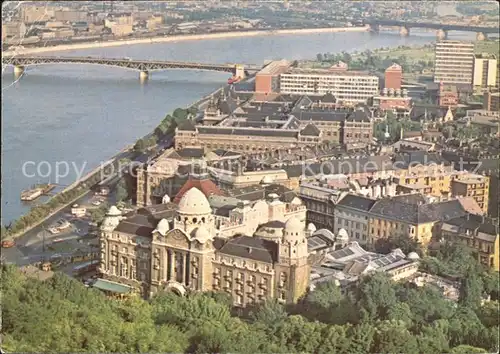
374 28
18 71
404 31
481 36
239 71
441 34
144 76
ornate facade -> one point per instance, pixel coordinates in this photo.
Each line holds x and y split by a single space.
244 139
180 248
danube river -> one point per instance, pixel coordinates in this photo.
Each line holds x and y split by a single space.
76 116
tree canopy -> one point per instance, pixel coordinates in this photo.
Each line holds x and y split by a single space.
62 315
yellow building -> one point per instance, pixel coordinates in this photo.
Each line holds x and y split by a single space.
432 179
477 232
472 185
407 215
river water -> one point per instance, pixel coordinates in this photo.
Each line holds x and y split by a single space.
76 116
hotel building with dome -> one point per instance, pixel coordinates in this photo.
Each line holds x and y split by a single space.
188 247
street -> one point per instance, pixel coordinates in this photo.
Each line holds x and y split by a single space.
38 243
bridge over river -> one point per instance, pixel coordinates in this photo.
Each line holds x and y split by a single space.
441 29
143 66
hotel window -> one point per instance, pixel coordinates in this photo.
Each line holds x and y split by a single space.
124 267
239 299
282 279
283 296
240 277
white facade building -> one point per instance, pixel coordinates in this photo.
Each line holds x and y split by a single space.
454 61
347 87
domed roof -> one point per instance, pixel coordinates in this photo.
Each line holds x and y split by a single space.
294 225
194 202
110 222
311 227
342 235
163 226
114 211
202 235
413 256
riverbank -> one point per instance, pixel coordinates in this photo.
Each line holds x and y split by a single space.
81 185
178 38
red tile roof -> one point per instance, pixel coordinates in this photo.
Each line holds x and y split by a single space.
206 186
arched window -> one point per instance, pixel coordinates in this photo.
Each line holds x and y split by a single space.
195 220
124 267
282 279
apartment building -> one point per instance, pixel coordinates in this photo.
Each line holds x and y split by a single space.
485 72
492 101
472 185
454 61
348 87
352 214
393 77
409 216
477 232
426 173
267 80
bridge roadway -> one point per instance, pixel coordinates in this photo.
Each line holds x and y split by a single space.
438 26
143 66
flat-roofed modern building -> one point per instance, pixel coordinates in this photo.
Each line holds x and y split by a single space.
348 87
267 80
485 72
454 61
491 101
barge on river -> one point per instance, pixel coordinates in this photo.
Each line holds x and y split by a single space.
36 191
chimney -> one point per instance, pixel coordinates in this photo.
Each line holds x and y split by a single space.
249 249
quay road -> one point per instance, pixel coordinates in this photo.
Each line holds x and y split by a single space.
29 246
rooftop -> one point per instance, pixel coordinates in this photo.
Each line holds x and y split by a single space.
356 202
111 286
326 72
248 247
